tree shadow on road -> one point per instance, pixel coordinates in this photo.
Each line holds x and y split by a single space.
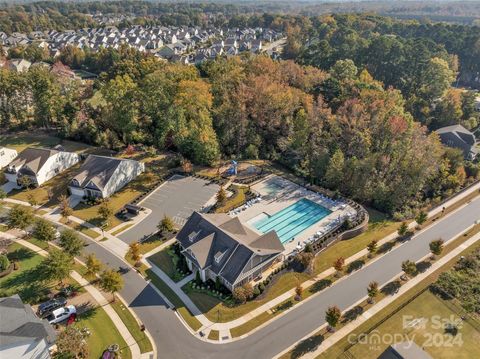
307 345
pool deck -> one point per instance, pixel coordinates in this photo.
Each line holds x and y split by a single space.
278 193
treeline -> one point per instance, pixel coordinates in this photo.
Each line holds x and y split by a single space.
412 57
339 128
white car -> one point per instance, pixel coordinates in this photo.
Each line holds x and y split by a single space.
61 314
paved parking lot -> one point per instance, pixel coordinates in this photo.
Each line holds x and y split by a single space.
178 198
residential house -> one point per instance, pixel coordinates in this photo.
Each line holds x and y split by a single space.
7 155
39 165
100 176
457 136
19 65
217 245
22 334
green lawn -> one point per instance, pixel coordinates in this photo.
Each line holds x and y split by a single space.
213 335
117 201
166 260
24 280
80 228
235 201
426 306
129 320
103 333
121 229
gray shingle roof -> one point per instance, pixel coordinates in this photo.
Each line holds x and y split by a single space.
217 235
459 137
33 158
98 170
18 323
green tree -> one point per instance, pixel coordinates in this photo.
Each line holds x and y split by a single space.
4 262
166 224
332 317
57 265
25 181
344 70
105 211
3 194
436 247
93 265
44 230
372 291
298 292
403 229
20 217
409 268
335 170
437 78
421 217
71 242
111 282
372 248
221 196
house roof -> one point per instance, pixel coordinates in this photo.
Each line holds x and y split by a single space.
404 350
459 137
33 158
98 170
19 323
225 245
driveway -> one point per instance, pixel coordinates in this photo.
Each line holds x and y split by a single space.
174 341
9 186
177 198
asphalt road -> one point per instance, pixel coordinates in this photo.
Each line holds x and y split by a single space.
174 341
177 198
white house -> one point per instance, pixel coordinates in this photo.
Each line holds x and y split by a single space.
23 335
40 165
101 176
7 155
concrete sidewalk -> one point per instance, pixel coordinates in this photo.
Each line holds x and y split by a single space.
99 298
338 335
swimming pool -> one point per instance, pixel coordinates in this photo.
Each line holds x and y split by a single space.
293 220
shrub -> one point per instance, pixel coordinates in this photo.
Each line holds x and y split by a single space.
261 287
248 289
256 292
4 262
239 295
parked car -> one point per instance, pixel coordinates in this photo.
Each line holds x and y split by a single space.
47 307
61 314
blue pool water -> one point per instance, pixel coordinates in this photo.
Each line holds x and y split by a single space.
293 220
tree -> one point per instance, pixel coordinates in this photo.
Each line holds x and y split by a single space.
332 316
32 200
335 170
306 259
186 166
298 291
134 252
4 262
372 291
111 281
403 229
25 181
20 217
248 290
71 242
71 344
57 265
409 268
239 295
338 265
166 224
93 265
372 248
221 196
421 217
436 247
65 209
105 211
44 230
3 194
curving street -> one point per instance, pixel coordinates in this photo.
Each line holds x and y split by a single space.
173 340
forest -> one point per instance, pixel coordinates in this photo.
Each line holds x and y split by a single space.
352 107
